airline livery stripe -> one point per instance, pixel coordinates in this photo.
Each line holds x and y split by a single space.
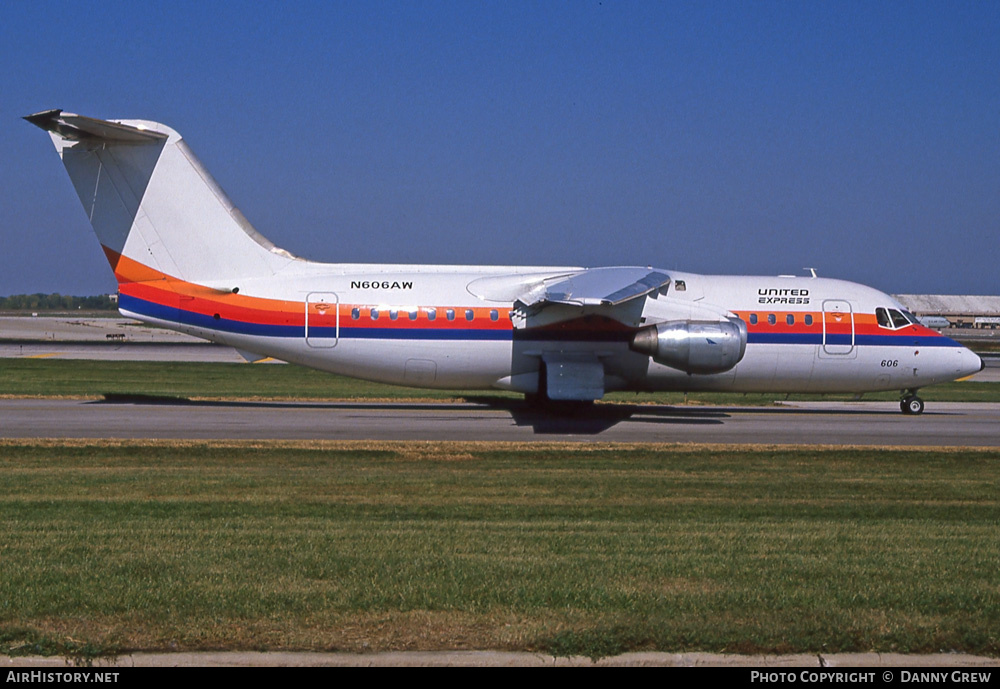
145 291
175 315
900 340
347 331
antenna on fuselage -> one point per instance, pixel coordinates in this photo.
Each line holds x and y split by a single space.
811 270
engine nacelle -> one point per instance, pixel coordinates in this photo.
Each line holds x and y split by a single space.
694 346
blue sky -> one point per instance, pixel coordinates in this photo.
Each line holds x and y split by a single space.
862 139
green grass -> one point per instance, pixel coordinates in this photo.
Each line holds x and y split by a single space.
51 377
596 549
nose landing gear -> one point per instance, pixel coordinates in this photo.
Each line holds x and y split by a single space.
911 404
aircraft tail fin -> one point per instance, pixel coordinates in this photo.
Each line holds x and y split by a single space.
150 200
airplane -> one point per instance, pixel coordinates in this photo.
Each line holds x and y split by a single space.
935 322
186 258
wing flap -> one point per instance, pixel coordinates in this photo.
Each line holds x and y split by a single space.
577 377
597 287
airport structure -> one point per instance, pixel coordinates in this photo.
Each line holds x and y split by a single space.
961 311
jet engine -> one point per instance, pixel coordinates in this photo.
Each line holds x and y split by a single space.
694 346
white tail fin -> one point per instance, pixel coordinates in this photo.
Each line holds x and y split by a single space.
149 199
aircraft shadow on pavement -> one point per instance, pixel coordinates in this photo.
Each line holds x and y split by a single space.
560 419
587 419
169 400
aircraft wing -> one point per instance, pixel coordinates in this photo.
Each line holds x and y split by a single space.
595 287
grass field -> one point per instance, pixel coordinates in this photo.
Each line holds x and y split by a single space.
596 549
50 377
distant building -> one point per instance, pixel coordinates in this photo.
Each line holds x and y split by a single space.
962 311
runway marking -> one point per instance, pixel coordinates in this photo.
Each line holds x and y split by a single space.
42 356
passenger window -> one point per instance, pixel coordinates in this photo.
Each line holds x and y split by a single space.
790 319
432 314
809 319
355 313
469 315
374 314
393 315
494 315
413 315
753 319
450 313
771 319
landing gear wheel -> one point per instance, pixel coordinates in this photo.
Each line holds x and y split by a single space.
911 405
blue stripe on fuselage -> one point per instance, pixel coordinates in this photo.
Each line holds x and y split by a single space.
180 316
176 315
859 340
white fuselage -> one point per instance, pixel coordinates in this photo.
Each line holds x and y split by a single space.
382 331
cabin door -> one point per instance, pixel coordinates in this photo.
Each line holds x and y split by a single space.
838 327
322 319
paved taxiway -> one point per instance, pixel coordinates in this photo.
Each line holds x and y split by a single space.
68 328
801 423
187 352
835 423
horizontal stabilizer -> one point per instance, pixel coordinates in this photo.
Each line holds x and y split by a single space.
79 128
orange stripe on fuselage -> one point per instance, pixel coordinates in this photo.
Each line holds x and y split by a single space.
864 324
142 282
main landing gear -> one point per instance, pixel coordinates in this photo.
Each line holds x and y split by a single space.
911 404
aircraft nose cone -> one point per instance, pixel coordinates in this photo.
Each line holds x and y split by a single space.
967 364
972 363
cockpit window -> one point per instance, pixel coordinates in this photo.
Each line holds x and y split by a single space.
894 318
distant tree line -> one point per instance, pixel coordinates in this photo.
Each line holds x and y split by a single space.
55 302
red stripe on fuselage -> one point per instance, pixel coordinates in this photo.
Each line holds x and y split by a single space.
864 324
140 281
